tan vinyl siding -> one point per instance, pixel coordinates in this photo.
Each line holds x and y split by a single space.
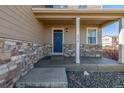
69 37
18 22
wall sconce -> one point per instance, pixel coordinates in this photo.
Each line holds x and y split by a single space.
66 29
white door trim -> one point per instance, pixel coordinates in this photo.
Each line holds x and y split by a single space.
53 41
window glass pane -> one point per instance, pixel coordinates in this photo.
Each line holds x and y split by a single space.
82 6
92 40
91 36
58 6
49 6
92 32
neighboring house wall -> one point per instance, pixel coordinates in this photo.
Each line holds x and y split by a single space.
107 41
110 41
21 43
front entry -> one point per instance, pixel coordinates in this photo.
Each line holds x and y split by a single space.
57 42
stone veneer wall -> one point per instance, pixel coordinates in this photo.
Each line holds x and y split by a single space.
17 58
85 50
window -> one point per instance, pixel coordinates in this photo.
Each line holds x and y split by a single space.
91 36
82 6
56 6
49 6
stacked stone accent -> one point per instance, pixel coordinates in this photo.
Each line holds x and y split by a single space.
85 50
90 50
69 50
17 58
47 50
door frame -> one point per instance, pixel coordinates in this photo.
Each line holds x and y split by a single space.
53 41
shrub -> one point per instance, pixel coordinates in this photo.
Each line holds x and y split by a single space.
110 52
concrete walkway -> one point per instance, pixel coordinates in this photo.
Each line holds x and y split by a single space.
44 77
55 77
52 72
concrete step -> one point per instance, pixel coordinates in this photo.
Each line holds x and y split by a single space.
57 57
44 78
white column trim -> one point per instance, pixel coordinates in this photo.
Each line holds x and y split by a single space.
121 40
77 39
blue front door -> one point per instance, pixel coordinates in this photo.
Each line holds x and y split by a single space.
57 41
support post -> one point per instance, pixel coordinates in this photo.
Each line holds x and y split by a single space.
121 40
77 39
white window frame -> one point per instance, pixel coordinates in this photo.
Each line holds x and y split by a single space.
96 35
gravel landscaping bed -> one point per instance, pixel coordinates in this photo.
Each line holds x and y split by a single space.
77 79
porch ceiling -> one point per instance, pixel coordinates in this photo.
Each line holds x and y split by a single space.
71 21
99 17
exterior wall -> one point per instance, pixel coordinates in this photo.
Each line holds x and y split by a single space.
18 22
69 36
17 58
21 43
69 41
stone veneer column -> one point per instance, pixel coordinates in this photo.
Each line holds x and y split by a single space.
77 39
121 40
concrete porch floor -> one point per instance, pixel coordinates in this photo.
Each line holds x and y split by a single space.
48 61
88 64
